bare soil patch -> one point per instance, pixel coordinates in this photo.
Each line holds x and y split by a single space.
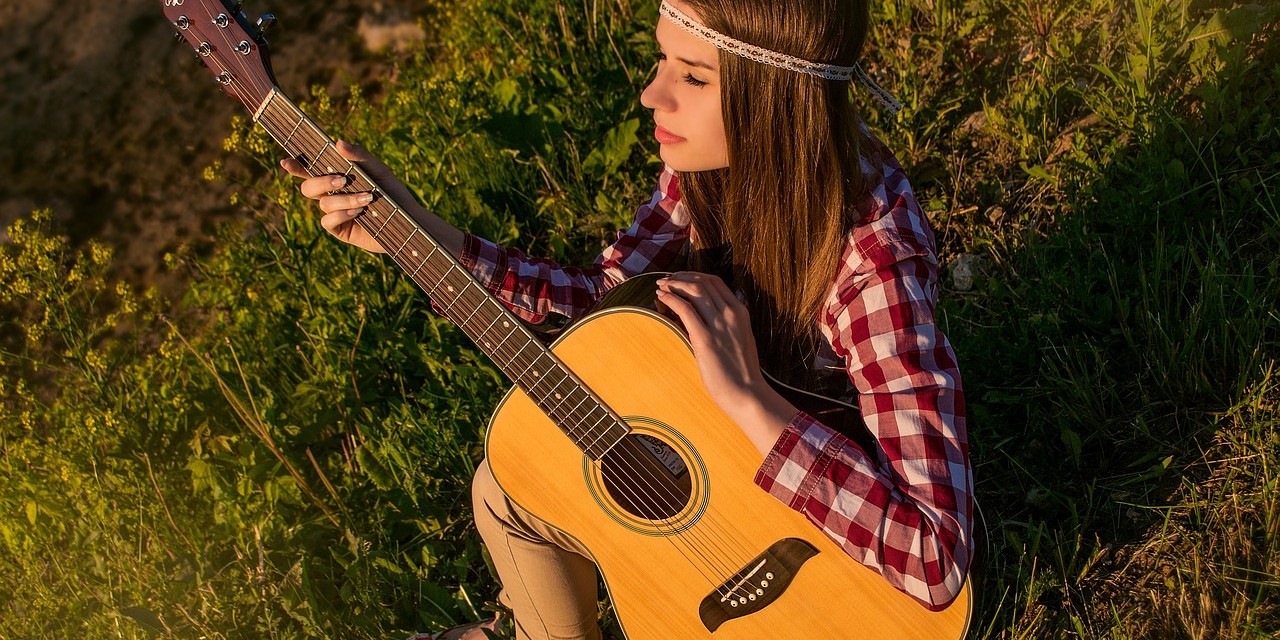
108 120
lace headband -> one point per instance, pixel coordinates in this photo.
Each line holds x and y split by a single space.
773 58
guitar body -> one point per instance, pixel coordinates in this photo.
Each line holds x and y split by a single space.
660 570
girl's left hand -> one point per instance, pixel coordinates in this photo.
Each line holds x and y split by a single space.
719 328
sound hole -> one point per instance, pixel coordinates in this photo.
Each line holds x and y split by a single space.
647 478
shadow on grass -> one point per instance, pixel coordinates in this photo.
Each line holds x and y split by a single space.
1123 390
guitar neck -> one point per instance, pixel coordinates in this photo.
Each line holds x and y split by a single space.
457 294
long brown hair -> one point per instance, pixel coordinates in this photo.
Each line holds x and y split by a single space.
775 221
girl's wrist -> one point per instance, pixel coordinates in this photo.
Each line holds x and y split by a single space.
763 416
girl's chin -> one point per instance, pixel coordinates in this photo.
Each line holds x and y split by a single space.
677 157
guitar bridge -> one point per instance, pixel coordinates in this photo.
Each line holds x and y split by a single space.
757 585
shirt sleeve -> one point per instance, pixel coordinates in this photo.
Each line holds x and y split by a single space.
906 512
532 288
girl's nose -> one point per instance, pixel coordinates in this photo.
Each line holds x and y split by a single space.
656 96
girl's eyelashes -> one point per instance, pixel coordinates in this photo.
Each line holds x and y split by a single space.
694 81
688 77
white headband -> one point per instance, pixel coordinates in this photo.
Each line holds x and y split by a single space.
773 58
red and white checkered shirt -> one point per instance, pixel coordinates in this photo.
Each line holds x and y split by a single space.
909 516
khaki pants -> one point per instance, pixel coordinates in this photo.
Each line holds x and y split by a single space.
548 581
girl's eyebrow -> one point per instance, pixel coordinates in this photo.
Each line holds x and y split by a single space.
693 63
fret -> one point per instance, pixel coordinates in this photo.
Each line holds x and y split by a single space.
414 276
377 234
505 338
605 417
495 320
612 445
465 323
541 376
448 308
326 146
396 254
295 130
585 398
529 369
444 279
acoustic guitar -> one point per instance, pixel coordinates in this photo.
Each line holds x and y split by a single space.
609 434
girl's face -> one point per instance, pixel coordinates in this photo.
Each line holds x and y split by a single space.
685 98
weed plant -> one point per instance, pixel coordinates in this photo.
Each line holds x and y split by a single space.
286 451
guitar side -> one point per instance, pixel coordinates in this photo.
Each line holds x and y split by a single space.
659 571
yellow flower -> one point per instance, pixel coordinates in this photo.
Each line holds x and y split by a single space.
213 171
99 254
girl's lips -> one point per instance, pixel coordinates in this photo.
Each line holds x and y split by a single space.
666 137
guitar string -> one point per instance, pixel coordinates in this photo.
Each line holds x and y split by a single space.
395 236
717 585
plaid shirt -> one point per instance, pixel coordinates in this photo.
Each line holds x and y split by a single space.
906 510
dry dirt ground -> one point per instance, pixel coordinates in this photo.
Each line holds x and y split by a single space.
108 120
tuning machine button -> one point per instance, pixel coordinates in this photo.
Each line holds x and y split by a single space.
266 22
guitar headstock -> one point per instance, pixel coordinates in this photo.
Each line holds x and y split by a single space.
234 50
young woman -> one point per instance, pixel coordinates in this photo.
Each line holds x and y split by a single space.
807 252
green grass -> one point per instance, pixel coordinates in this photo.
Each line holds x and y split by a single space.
286 451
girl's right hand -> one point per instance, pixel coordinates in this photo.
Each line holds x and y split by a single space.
341 209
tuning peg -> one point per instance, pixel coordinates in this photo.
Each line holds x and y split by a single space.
267 21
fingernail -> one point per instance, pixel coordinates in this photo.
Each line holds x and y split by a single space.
365 198
338 182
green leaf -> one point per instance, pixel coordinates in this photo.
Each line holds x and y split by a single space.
613 150
1039 172
31 512
506 91
1072 440
144 617
1237 24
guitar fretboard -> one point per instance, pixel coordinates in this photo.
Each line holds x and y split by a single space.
590 424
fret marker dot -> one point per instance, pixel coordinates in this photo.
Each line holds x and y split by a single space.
415 254
506 325
558 396
487 345
451 289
